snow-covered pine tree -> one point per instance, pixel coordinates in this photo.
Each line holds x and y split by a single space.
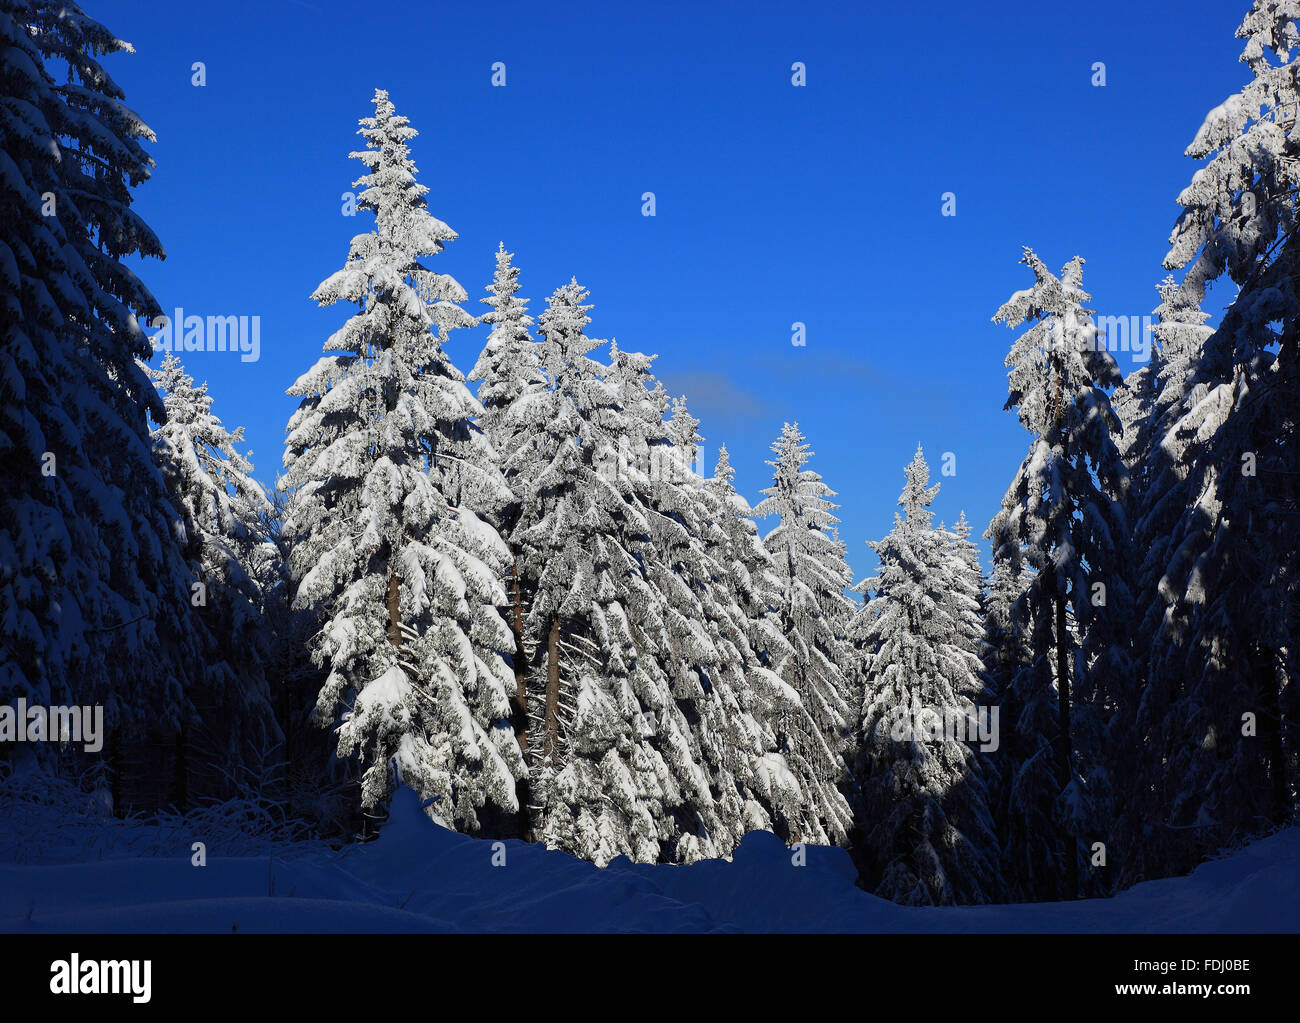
638 649
1229 620
508 367
814 614
1144 400
587 721
970 608
968 589
767 699
1133 402
711 741
928 834
225 511
508 371
715 665
651 465
1180 336
694 630
1003 643
213 485
1164 465
391 482
80 497
1005 655
1064 516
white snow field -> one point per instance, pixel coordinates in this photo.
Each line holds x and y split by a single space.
419 876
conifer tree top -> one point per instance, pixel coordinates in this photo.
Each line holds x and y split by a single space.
501 293
723 472
916 496
797 494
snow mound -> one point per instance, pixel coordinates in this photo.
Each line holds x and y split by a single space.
420 877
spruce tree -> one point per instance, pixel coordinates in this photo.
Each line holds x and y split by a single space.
1064 516
507 369
702 652
967 595
225 512
1220 664
593 699
1166 468
643 740
212 483
1005 656
714 662
755 588
391 485
928 834
686 652
80 496
814 615
508 372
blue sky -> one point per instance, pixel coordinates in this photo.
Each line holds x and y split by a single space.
775 204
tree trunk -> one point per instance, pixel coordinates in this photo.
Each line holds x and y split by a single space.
523 787
552 689
394 611
790 615
1063 747
521 670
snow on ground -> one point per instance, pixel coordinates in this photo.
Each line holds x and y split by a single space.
420 877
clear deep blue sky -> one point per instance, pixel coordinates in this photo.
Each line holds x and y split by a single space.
775 204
